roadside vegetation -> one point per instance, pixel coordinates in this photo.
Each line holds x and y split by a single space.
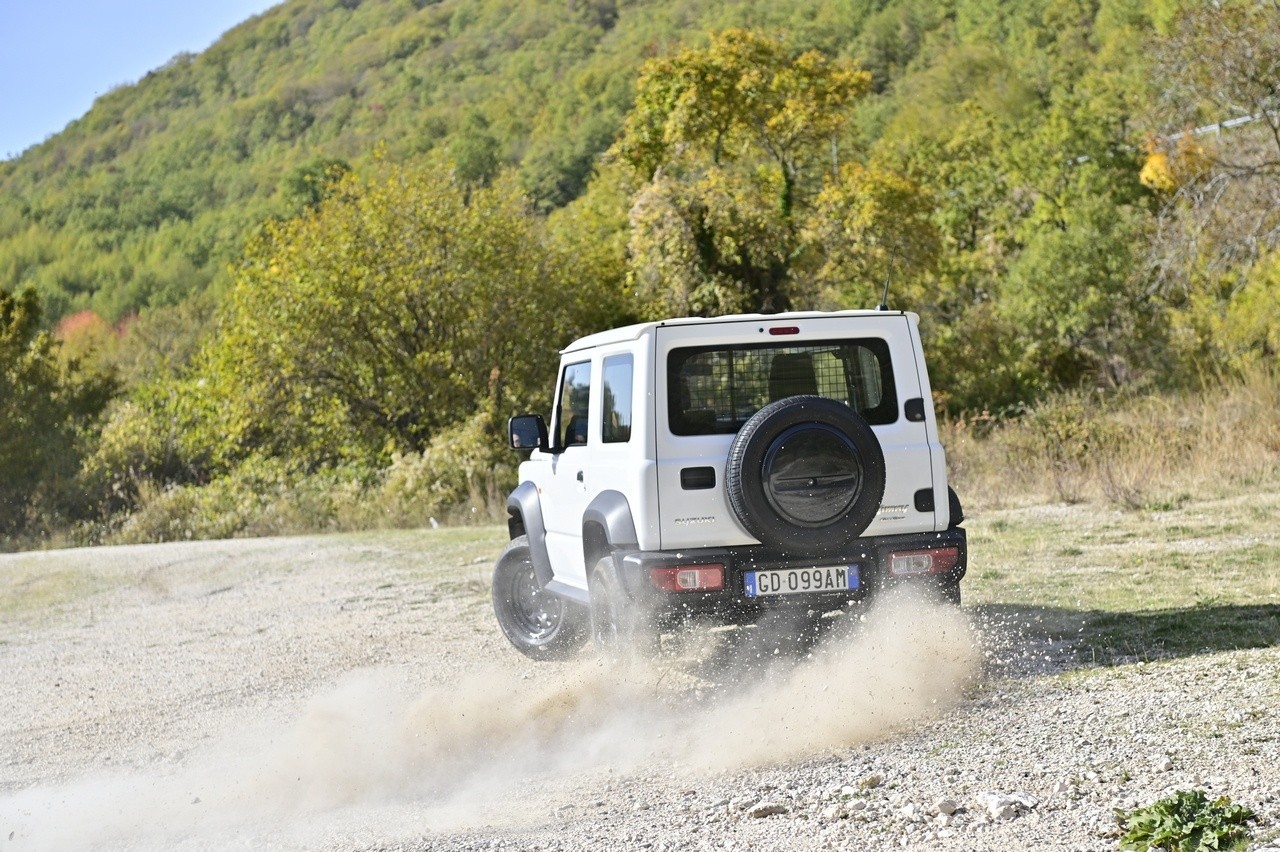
237 306
1129 451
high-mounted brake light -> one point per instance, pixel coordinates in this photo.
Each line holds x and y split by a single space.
688 578
911 562
785 329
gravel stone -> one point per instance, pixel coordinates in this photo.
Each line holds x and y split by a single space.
870 782
945 807
767 809
141 688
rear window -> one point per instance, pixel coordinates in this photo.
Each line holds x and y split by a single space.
714 390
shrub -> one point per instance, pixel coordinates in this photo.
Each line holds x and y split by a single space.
48 407
463 472
461 477
1187 822
1135 452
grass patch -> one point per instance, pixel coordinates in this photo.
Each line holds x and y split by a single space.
1122 586
33 585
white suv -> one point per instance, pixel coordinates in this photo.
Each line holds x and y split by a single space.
726 467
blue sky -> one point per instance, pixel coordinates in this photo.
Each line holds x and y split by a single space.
57 56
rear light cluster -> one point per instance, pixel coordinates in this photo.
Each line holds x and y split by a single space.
688 578
709 578
911 562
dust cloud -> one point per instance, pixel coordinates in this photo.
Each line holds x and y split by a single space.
374 759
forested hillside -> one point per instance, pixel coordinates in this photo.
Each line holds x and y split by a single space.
304 276
147 198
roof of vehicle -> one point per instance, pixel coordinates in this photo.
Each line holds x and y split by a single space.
633 332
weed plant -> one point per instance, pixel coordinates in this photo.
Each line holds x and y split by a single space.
1187 822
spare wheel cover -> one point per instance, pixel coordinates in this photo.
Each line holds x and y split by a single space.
805 474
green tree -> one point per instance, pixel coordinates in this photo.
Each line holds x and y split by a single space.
44 408
729 143
309 184
401 305
872 226
1074 292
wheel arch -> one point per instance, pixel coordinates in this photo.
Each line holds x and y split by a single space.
524 517
607 526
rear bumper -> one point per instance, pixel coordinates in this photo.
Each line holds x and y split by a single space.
732 604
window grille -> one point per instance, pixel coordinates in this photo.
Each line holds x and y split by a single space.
714 390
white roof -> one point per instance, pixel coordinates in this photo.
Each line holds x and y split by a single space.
632 332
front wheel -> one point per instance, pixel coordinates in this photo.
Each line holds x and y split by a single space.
540 625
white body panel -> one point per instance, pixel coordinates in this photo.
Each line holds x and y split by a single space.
568 481
913 456
647 468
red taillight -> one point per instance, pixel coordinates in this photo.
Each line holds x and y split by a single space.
688 578
909 562
784 329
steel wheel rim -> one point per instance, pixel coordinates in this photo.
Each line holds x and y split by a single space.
536 611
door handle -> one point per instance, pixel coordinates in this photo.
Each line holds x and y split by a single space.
580 476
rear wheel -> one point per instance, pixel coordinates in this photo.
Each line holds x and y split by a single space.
617 622
955 510
951 588
540 625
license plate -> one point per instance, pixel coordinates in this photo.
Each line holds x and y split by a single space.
797 581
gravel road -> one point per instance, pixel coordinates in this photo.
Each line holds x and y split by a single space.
353 693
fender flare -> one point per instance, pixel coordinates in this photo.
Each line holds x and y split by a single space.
607 527
524 511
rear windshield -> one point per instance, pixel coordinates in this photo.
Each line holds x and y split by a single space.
714 390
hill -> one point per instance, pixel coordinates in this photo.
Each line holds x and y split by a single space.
1023 174
144 200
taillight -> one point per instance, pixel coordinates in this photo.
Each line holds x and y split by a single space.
909 562
688 578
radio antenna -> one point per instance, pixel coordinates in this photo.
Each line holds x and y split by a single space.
888 276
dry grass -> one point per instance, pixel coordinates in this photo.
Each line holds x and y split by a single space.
1129 529
1119 585
1143 453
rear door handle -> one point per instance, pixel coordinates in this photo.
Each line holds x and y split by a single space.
579 476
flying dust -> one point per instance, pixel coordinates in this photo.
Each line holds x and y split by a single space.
374 760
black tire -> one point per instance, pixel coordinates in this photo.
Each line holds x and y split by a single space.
618 623
805 474
949 592
540 625
954 508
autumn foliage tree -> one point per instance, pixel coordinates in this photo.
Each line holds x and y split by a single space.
45 406
869 227
729 144
1218 235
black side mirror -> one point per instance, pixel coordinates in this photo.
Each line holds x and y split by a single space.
528 432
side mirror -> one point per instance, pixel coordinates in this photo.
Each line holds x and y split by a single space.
528 432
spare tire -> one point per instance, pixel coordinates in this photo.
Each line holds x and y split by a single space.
805 474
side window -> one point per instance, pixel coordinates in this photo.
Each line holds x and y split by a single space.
571 408
616 428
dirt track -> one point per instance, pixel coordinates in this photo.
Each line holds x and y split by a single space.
353 692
